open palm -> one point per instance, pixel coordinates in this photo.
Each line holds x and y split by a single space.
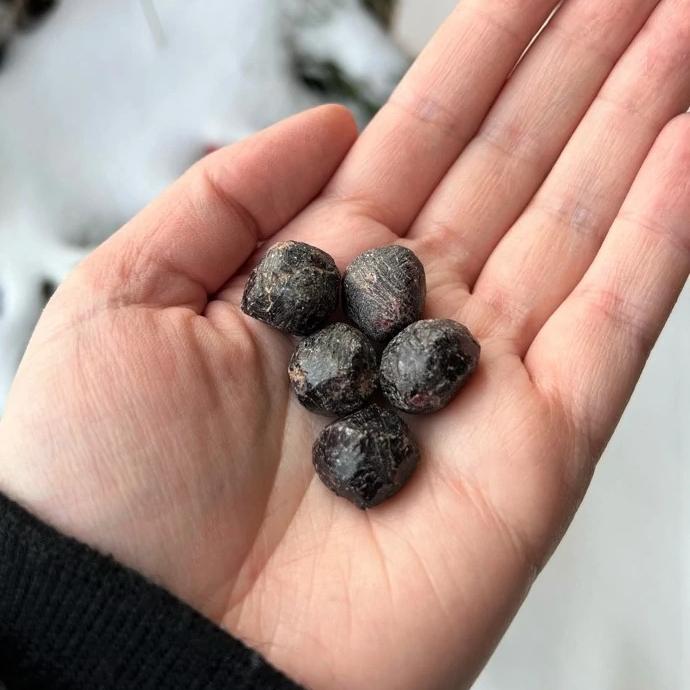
153 420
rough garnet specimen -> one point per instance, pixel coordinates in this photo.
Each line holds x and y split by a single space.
366 457
294 288
334 371
425 365
384 291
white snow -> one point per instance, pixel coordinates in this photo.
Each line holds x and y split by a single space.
106 102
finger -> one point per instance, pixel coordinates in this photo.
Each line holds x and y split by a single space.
548 250
525 132
592 350
190 240
438 106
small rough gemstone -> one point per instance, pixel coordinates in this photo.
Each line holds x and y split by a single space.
366 457
384 291
294 288
334 371
425 365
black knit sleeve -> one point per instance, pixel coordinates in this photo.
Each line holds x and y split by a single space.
71 618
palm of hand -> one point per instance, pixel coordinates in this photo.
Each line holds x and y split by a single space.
168 436
203 480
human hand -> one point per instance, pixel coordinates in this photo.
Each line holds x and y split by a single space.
152 419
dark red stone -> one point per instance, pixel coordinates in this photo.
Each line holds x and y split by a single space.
384 291
366 457
334 371
425 365
294 288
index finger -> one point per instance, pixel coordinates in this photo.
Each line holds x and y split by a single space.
437 108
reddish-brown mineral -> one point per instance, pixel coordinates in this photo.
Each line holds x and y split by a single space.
334 371
384 291
425 365
294 288
366 457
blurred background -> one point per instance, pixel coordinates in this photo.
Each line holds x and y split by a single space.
103 103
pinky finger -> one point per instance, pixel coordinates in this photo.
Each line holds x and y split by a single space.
592 350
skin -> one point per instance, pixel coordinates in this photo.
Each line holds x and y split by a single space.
151 419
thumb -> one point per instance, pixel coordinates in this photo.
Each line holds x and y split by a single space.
191 240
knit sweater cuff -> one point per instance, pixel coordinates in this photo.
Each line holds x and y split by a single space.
73 618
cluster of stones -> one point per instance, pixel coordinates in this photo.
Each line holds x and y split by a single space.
368 454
